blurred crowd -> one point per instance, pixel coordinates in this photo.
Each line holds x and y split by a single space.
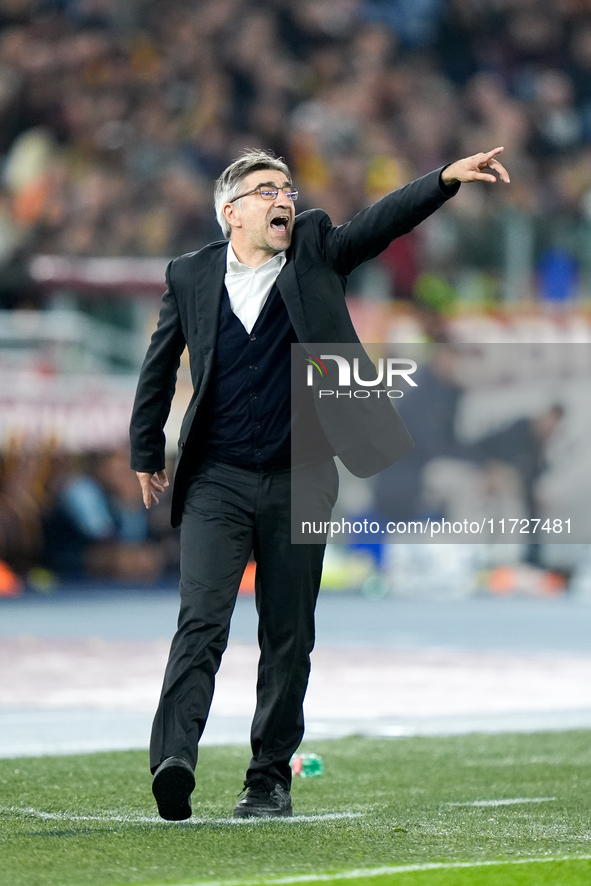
489 453
67 517
115 118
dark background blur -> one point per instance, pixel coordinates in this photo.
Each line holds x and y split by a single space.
115 120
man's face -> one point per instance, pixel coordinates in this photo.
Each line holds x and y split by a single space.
265 225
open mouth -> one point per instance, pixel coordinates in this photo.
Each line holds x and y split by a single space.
280 223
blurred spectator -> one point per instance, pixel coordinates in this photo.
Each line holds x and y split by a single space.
492 478
95 526
21 537
79 517
429 412
523 445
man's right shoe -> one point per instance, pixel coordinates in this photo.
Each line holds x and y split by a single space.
261 801
172 786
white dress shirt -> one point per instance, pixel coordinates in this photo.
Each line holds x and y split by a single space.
249 288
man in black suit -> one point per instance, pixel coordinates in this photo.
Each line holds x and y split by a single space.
239 305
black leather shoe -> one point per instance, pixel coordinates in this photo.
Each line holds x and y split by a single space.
172 786
261 801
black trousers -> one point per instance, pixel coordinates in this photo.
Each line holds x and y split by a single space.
231 512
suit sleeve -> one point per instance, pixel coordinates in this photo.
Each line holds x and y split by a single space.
156 386
373 229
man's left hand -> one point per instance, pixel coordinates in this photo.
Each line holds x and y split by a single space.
479 168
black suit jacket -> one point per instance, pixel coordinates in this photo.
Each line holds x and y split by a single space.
312 285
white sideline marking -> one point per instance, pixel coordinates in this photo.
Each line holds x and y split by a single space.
355 874
383 871
515 802
401 869
155 819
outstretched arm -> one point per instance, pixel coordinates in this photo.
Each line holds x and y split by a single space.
479 167
373 229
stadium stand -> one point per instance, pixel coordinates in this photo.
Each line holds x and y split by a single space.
115 119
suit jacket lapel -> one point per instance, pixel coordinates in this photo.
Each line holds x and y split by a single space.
209 289
287 283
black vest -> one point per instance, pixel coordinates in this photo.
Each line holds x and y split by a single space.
250 416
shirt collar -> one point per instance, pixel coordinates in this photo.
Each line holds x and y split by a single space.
235 266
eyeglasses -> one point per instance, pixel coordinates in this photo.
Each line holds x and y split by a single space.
269 192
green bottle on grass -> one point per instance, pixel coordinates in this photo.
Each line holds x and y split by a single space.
307 765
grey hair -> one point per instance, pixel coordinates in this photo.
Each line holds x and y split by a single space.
229 183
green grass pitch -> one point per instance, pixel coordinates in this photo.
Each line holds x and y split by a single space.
498 810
